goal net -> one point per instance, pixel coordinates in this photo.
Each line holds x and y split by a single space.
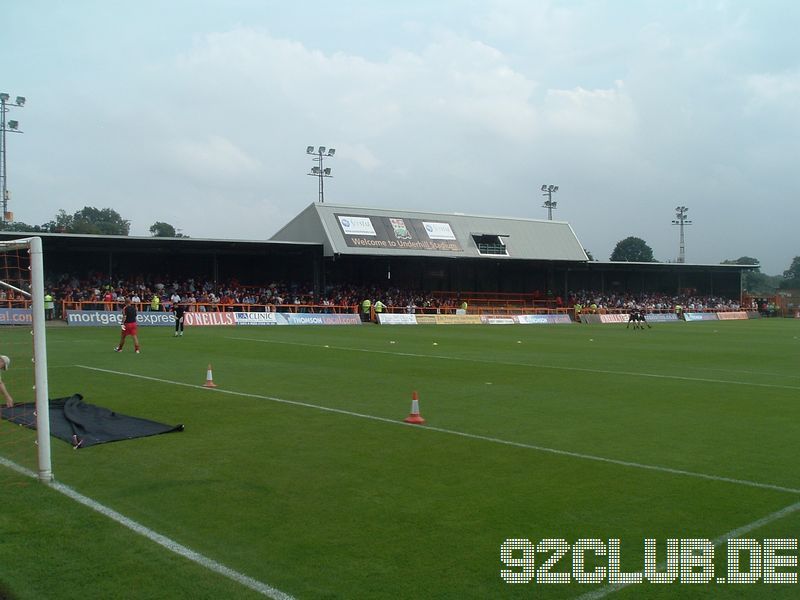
23 356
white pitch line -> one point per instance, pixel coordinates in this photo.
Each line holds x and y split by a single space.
529 365
472 436
159 539
718 541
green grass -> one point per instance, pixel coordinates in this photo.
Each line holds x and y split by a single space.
325 504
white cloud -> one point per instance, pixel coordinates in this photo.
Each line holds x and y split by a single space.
211 158
770 90
591 113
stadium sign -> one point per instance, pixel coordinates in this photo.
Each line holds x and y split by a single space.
409 319
397 319
322 319
104 318
15 316
693 316
206 319
737 315
493 320
543 319
617 318
395 233
258 318
662 318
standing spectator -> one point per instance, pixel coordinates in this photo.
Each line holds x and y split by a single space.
379 308
366 307
5 362
49 306
155 303
179 310
129 326
108 301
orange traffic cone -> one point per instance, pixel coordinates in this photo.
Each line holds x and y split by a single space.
414 417
209 379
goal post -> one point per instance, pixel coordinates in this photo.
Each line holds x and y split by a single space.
34 281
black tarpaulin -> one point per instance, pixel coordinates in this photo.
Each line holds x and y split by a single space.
82 424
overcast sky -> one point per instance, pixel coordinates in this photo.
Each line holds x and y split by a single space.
198 113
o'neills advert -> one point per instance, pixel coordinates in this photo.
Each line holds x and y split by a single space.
394 233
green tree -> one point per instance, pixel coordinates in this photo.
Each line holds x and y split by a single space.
742 260
753 280
97 221
632 249
20 226
791 276
588 254
61 224
105 221
161 229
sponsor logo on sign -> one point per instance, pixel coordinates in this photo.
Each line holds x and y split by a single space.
490 320
662 317
620 318
323 319
700 316
102 318
732 316
543 319
457 319
439 231
209 318
258 318
397 319
15 316
357 225
426 319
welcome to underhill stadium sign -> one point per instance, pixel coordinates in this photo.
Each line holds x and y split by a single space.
395 233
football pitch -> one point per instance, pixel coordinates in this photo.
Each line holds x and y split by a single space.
297 477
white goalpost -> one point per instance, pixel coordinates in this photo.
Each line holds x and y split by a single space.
29 258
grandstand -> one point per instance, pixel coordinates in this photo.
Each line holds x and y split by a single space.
487 259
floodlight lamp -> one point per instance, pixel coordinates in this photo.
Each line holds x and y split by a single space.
21 100
322 149
327 171
553 204
544 188
4 97
315 170
331 151
555 188
13 124
310 150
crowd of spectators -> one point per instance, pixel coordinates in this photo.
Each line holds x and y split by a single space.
99 292
651 302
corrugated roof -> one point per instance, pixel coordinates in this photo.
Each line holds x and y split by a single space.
385 232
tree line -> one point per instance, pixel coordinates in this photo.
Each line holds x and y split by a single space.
634 249
90 220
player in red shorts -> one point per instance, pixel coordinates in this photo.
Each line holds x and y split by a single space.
129 326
